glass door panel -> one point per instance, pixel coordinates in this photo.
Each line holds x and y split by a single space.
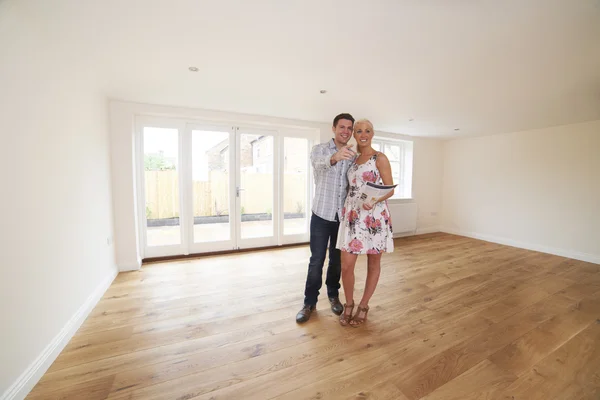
256 161
210 202
161 186
256 186
211 170
295 186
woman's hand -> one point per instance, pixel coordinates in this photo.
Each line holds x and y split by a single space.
368 207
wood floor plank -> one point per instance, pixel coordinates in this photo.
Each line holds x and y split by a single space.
266 377
510 305
393 335
573 369
434 372
452 318
357 383
380 391
578 291
172 331
520 355
575 392
480 382
243 355
139 367
404 349
97 389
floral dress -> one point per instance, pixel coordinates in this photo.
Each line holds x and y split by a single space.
364 231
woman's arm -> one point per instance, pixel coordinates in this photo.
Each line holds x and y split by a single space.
385 170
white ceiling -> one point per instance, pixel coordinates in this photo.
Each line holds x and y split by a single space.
482 66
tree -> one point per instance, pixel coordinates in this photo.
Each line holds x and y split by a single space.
157 162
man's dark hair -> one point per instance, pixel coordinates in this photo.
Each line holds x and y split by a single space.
343 116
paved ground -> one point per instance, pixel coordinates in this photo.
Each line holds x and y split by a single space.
166 235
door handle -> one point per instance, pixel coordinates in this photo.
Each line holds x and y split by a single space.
237 191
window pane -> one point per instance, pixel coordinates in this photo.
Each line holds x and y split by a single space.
210 185
395 171
400 156
407 170
376 146
396 175
161 152
392 151
295 174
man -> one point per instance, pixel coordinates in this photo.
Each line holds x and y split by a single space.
330 161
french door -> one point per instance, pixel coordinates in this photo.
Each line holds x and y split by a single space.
205 187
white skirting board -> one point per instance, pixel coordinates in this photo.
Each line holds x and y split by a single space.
419 231
592 258
36 370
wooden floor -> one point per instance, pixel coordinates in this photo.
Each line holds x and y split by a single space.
452 318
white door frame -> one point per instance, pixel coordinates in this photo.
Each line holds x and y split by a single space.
166 123
272 240
301 134
206 247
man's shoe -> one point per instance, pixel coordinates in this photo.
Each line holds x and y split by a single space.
304 314
336 306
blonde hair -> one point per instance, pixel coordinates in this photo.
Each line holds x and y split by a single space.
364 121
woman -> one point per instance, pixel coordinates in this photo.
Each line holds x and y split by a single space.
364 229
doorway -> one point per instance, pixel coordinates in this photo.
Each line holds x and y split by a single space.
205 187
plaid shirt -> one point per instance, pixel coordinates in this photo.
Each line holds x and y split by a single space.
330 180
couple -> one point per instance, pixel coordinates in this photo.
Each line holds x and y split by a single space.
342 223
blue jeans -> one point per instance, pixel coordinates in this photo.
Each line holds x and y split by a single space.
322 234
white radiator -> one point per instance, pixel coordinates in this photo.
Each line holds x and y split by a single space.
404 218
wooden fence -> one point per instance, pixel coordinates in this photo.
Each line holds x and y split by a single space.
212 197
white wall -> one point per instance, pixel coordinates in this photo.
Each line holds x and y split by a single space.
427 183
56 200
427 176
538 189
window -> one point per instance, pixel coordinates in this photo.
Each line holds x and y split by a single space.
400 154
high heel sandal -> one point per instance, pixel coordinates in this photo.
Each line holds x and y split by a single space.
356 321
346 318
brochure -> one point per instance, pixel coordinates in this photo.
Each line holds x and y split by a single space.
371 192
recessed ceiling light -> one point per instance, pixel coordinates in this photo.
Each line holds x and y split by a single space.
322 91
457 129
193 69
